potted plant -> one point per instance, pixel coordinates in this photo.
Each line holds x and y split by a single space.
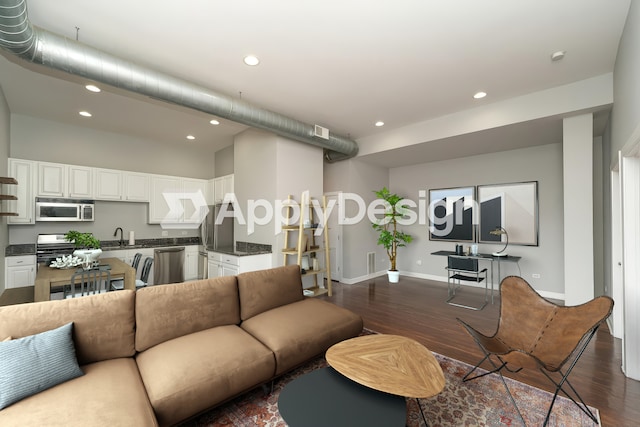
389 236
87 246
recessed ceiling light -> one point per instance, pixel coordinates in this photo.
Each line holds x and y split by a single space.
379 123
191 137
480 95
92 88
214 122
557 56
85 113
251 60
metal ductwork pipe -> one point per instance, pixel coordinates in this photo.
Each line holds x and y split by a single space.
20 37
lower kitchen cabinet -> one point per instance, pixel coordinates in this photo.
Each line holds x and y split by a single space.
20 271
221 264
191 254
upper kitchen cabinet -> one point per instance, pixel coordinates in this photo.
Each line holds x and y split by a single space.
108 184
24 172
222 186
60 180
136 187
174 201
126 186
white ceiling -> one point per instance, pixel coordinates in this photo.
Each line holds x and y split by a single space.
340 64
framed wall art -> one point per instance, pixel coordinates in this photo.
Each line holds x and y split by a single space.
451 214
512 207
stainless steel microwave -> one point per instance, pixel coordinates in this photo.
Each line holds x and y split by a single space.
64 210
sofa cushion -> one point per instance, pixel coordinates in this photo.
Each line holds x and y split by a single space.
299 331
169 311
194 372
263 290
35 363
109 394
103 325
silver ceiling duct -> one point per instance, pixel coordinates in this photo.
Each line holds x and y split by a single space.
20 37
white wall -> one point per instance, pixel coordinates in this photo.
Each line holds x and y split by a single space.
224 163
44 140
269 168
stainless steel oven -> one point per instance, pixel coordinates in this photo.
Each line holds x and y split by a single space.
64 210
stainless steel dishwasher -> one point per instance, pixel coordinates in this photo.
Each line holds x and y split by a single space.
168 265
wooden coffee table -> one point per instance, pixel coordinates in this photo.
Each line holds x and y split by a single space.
389 363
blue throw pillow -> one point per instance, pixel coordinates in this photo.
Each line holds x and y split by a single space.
35 363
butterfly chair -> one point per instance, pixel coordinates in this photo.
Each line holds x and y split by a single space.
535 333
88 282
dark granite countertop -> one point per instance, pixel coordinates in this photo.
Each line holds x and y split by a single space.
243 249
112 245
22 249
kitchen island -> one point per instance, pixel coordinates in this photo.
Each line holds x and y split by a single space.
48 277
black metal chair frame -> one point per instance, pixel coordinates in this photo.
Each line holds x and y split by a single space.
503 351
462 268
558 384
118 285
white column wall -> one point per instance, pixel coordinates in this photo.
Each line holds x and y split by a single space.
578 208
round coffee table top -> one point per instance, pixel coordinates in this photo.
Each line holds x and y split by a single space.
389 363
324 398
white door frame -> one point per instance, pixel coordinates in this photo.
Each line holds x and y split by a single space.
334 224
630 179
616 321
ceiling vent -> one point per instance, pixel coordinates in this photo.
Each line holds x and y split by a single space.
321 132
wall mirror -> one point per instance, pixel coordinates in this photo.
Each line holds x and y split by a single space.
514 207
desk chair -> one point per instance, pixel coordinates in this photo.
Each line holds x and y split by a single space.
118 285
461 268
88 282
534 333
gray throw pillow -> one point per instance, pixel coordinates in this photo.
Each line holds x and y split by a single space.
35 363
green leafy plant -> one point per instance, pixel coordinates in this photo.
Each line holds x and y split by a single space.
82 240
389 236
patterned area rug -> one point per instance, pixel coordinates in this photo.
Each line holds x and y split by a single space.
481 402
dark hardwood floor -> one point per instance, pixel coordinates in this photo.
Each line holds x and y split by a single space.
416 308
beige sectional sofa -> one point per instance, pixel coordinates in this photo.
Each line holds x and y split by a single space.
165 353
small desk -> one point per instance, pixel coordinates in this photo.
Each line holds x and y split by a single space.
48 277
488 257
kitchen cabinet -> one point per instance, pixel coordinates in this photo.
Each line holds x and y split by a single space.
108 184
221 264
188 196
222 186
52 178
60 180
24 172
20 271
136 187
191 254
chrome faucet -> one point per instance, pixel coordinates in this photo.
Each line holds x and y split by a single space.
121 238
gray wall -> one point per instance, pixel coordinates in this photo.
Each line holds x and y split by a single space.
542 164
5 127
625 117
37 139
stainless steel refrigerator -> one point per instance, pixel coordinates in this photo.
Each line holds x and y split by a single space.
217 236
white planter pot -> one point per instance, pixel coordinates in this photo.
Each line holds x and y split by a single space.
88 254
394 276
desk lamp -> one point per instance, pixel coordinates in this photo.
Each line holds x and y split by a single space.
499 231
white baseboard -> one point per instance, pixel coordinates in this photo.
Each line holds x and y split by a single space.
544 294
